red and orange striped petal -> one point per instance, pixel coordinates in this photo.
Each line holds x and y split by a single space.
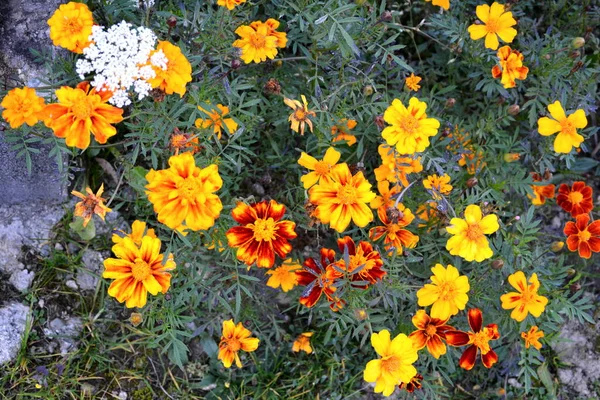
467 360
475 319
489 359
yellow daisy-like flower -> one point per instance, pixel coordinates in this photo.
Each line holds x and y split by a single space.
71 26
526 300
299 118
178 73
272 25
91 204
438 185
445 4
566 126
138 231
234 339
230 4
412 82
284 276
302 342
469 241
216 120
496 23
320 169
396 362
532 338
22 106
410 128
447 292
256 43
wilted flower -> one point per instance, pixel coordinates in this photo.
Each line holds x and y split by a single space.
91 204
300 117
302 342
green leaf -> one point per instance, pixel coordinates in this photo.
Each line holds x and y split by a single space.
87 232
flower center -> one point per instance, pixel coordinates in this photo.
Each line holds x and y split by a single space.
567 127
264 229
431 330
390 364
480 339
257 40
300 115
409 124
447 291
82 109
584 236
474 232
347 195
73 26
140 270
188 189
233 344
322 168
575 197
492 25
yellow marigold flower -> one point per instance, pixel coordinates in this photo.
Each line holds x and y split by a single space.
445 4
299 117
178 72
137 271
258 41
566 126
412 82
526 300
80 111
342 198
410 128
234 339
183 195
340 131
394 168
138 231
469 241
91 204
284 276
272 25
22 106
302 342
532 338
511 67
230 4
71 26
438 185
496 23
447 293
386 198
396 362
216 120
320 169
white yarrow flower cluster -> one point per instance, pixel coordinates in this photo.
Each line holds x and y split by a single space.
119 59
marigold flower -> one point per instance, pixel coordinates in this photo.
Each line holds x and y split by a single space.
496 23
91 204
321 170
341 131
284 276
526 300
478 338
532 338
80 111
343 197
576 199
469 241
319 277
258 42
473 159
396 237
176 75
415 382
447 293
438 185
230 4
566 126
272 25
412 81
299 118
22 106
183 194
394 168
511 157
302 342
70 26
216 120
137 271
429 213
235 338
386 196
540 193
583 237
511 67
395 364
138 231
184 142
262 233
364 263
136 318
410 128
430 333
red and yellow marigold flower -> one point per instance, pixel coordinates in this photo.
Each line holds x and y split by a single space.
302 342
178 73
511 67
181 142
80 111
300 117
412 82
447 292
91 204
386 196
395 168
540 192
410 128
259 41
235 338
566 126
495 23
71 26
319 278
576 199
526 300
230 4
415 382
394 220
284 275
364 263
430 333
138 231
262 233
22 106
582 237
137 271
478 338
217 121
469 241
321 169
532 337
343 197
395 365
341 131
183 195
438 185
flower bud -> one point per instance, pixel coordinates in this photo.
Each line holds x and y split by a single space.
547 175
497 264
472 182
360 314
450 102
574 54
368 90
575 287
387 16
547 56
172 21
557 246
235 64
379 121
571 272
272 87
514 110
511 157
578 42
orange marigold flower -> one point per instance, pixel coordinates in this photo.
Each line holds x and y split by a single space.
386 198
496 23
80 111
415 382
566 126
22 106
430 333
438 185
262 233
429 213
178 73
540 193
511 67
71 26
235 338
340 131
532 338
478 338
91 204
473 159
230 4
394 220
184 142
576 199
137 271
299 118
364 263
412 82
321 170
447 292
583 237
272 25
183 194
319 278
343 197
216 120
259 41
138 231
410 128
284 276
302 342
469 241
395 168
526 300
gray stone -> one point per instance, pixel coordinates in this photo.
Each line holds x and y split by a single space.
71 284
89 274
22 280
65 332
13 320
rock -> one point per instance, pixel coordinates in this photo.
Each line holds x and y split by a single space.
22 280
71 284
89 274
13 320
65 332
113 220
